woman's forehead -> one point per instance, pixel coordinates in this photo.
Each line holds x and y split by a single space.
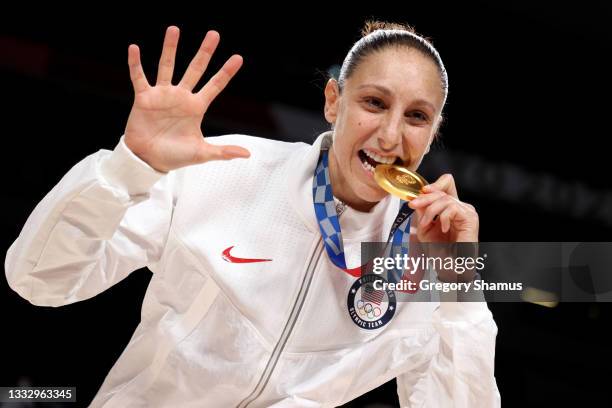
397 70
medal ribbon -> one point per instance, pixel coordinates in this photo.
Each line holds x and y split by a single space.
329 224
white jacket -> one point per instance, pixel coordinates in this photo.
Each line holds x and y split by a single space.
220 334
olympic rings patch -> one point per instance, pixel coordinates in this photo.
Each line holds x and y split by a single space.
370 308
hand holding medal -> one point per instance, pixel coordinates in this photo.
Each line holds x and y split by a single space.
431 202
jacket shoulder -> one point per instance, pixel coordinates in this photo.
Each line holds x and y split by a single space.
262 149
268 156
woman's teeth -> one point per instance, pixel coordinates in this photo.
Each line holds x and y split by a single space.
380 159
370 159
368 166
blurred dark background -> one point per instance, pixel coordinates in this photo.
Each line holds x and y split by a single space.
525 137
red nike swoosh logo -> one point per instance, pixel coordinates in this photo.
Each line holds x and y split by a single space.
229 258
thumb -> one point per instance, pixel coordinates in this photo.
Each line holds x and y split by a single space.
234 152
211 152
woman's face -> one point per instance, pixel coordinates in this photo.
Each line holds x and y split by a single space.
387 112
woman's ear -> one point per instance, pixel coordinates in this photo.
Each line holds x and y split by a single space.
332 98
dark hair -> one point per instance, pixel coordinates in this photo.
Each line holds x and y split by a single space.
378 35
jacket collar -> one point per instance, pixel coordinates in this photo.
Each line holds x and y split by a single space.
355 224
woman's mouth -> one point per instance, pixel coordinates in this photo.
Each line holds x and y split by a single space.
370 159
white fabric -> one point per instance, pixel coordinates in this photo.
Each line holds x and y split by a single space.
209 327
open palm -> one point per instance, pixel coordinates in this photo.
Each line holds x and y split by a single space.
164 126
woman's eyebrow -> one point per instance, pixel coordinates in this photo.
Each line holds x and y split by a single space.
386 91
379 87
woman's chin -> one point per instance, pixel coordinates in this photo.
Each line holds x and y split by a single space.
372 194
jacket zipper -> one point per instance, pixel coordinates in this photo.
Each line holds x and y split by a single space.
293 316
295 312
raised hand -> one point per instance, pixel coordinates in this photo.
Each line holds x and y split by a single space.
164 126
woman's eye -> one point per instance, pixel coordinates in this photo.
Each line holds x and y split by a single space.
418 116
376 103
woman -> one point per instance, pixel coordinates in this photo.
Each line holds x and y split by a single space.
252 301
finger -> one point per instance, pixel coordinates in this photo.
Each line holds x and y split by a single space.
447 216
425 199
200 61
166 61
422 231
210 152
220 80
445 183
433 211
137 75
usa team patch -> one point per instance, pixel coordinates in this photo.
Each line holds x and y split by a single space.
370 308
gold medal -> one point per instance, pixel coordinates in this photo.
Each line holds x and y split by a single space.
399 181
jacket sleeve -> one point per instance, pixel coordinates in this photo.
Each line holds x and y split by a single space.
108 216
462 373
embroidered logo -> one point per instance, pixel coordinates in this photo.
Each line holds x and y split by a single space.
370 308
233 259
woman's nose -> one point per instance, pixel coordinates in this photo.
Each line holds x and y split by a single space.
391 134
387 143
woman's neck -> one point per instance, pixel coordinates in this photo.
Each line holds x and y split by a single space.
341 188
